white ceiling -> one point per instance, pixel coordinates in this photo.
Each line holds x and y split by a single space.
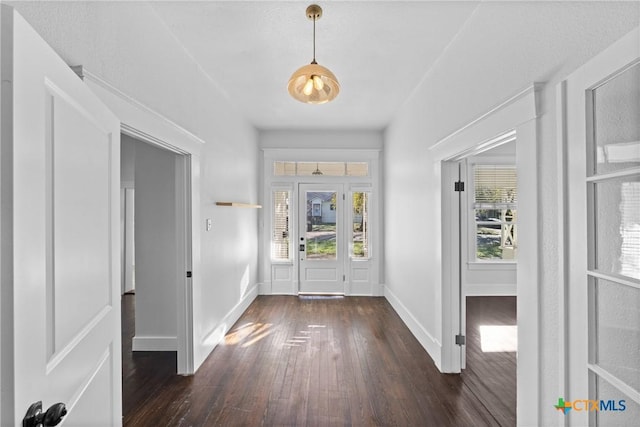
453 59
460 58
467 52
379 52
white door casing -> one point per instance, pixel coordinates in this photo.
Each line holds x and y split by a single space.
128 240
318 273
63 262
519 113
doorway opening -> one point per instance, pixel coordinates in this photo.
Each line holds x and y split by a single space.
484 247
156 254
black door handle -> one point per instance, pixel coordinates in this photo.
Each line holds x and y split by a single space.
36 418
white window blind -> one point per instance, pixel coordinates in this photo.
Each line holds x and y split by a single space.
280 239
496 187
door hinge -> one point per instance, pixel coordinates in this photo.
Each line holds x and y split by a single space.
189 274
461 339
343 198
344 277
458 186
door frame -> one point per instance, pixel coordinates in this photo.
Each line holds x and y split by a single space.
341 236
182 226
572 95
280 277
146 125
519 113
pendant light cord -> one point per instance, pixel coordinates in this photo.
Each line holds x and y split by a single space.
314 41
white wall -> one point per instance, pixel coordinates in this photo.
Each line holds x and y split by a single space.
479 70
127 45
156 252
322 139
485 280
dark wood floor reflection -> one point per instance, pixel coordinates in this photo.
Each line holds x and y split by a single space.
302 362
491 375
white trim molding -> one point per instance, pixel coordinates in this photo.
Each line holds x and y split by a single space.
512 107
145 124
471 290
428 342
154 343
87 76
216 335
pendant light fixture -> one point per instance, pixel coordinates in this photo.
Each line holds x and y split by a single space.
317 171
313 83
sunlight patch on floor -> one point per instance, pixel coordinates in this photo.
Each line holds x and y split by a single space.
498 338
248 334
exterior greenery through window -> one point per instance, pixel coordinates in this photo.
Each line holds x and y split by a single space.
360 238
322 231
495 201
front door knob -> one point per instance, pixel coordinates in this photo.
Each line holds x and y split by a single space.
36 418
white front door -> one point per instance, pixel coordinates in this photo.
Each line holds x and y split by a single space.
603 163
321 249
60 237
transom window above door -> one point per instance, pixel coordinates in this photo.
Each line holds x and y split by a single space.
281 168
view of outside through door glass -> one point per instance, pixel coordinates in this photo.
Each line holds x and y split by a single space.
360 238
321 228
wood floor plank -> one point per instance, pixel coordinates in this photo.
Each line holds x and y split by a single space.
491 376
293 361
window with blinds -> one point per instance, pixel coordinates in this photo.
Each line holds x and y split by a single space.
496 187
494 205
280 241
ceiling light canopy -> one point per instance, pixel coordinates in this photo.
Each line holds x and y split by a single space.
313 83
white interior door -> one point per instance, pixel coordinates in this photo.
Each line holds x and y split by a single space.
61 201
603 159
321 249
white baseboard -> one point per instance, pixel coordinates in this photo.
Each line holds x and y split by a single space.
364 290
430 344
264 288
471 290
151 343
283 288
216 336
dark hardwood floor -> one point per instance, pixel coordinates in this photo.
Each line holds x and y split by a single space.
293 361
491 376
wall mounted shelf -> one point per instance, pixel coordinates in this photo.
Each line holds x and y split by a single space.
238 205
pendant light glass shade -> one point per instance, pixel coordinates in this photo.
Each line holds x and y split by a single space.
313 84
